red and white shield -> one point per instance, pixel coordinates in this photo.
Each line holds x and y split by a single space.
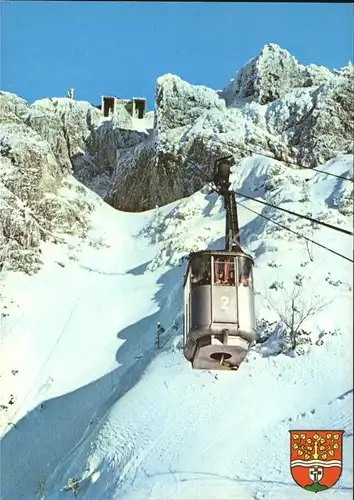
316 458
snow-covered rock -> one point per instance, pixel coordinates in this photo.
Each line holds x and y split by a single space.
31 177
179 103
13 109
328 129
155 170
106 140
315 123
40 145
312 75
151 173
265 78
64 123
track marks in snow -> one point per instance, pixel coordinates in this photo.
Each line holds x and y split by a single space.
341 398
173 484
138 461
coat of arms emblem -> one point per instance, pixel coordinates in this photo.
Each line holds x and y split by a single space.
316 458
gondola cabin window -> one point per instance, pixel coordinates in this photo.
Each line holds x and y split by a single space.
232 271
201 274
221 270
244 272
224 271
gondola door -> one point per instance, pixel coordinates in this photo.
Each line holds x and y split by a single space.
224 290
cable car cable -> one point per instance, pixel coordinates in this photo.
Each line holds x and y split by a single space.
298 234
301 167
281 209
289 163
345 231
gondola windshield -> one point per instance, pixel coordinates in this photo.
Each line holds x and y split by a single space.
226 270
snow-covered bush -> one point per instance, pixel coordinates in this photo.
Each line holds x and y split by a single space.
41 490
72 485
293 309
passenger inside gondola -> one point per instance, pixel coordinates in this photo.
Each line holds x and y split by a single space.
201 271
205 279
224 273
231 280
220 279
244 272
244 280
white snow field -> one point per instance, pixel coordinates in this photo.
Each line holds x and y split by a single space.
95 401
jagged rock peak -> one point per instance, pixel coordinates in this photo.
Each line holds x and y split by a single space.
271 75
12 108
179 103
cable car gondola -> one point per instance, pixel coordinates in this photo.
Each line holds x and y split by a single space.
219 313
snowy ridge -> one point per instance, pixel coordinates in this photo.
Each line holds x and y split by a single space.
92 398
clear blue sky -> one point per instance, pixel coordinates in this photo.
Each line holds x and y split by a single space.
121 48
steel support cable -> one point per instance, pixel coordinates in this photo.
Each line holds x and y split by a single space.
302 167
321 172
345 231
298 234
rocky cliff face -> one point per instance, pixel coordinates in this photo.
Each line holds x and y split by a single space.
180 104
65 124
156 170
273 106
36 146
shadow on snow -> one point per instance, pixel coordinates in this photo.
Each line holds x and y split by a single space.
45 436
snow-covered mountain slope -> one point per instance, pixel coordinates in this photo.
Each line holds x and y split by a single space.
87 396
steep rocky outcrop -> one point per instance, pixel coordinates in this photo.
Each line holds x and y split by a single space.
179 103
156 171
40 146
13 108
265 78
95 165
104 142
149 174
65 124
316 123
34 169
167 166
271 75
328 130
